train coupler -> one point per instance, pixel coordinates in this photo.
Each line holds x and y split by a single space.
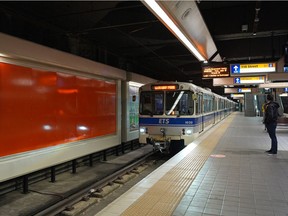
161 145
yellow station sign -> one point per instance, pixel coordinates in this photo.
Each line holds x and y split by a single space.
252 68
249 80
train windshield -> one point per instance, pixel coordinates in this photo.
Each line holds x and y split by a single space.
175 103
152 103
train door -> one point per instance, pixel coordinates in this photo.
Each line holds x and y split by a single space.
221 108
201 112
214 109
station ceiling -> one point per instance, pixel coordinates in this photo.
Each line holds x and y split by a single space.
126 35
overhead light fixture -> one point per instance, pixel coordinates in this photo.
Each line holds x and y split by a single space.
136 84
154 6
3 55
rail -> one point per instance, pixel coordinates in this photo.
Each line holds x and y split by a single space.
70 200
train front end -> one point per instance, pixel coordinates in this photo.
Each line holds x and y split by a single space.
166 116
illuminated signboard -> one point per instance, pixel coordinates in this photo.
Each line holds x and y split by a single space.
237 95
237 90
274 85
249 80
164 87
285 68
244 90
213 72
252 68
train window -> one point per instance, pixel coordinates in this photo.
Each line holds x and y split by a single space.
198 105
179 103
151 103
159 104
221 104
208 103
191 104
215 104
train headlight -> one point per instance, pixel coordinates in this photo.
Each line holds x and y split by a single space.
189 132
142 130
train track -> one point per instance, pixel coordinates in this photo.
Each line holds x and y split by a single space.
65 205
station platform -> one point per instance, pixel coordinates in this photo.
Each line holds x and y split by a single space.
225 171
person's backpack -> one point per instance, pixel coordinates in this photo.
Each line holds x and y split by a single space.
271 113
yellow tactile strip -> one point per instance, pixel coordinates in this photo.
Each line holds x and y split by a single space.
165 195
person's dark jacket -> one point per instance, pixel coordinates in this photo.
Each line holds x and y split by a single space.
271 112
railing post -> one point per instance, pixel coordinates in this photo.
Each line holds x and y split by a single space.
123 148
91 160
53 174
74 162
25 182
104 155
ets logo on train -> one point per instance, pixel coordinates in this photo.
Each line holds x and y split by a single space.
163 121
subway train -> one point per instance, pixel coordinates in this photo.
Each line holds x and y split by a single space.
173 114
56 107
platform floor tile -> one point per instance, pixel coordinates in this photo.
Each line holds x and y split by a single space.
239 178
173 178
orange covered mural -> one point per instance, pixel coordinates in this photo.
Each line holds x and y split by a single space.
39 109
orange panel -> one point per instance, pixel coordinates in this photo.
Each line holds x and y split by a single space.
39 109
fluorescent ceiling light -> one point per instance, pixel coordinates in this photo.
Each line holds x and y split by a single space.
3 55
165 18
131 83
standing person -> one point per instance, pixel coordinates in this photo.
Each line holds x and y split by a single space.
270 121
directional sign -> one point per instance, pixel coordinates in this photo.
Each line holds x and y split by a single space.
244 90
252 68
237 80
237 95
237 90
249 80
